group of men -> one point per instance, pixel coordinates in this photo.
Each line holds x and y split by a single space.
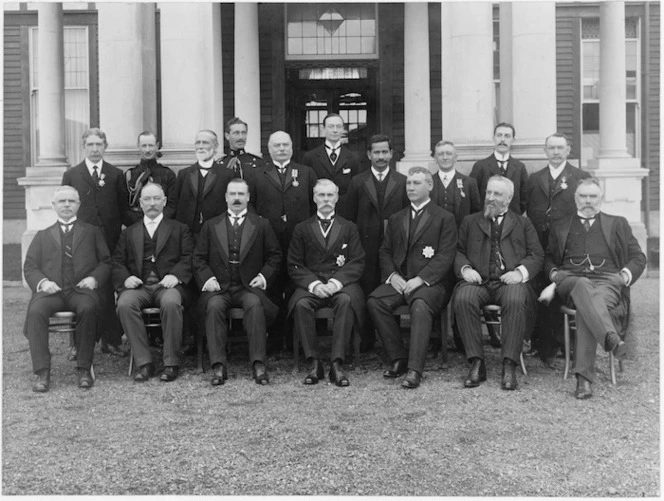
281 239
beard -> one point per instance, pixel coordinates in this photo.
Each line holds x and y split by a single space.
492 210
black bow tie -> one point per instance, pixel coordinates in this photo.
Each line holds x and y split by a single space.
325 223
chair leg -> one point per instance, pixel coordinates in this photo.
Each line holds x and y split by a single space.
523 364
199 352
567 343
296 350
92 372
612 369
445 329
131 362
356 347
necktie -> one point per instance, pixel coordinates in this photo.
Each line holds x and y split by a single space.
66 228
95 175
333 155
380 177
498 220
503 167
204 171
585 221
325 223
235 221
446 180
416 213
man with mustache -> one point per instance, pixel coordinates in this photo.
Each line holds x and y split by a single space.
592 260
550 196
236 257
497 255
502 163
325 262
148 170
199 188
242 163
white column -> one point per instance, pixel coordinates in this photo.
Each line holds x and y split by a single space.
127 76
51 71
528 70
619 173
417 96
467 78
191 78
247 72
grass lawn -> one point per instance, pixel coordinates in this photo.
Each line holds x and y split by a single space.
372 438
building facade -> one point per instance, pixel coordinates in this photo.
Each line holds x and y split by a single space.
418 72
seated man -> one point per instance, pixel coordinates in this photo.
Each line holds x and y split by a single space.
592 259
498 252
415 259
64 276
236 255
152 266
325 263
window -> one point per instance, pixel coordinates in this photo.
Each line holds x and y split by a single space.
590 87
325 31
77 91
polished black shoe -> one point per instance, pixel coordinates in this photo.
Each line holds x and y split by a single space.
615 345
43 381
170 373
144 373
337 375
509 375
116 351
412 380
583 388
84 378
477 373
219 376
397 369
72 354
260 373
316 373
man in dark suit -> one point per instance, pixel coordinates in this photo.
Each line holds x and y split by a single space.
501 163
236 256
149 171
64 266
282 193
550 195
372 197
415 258
152 266
104 203
243 164
452 190
497 254
592 260
200 188
332 160
325 262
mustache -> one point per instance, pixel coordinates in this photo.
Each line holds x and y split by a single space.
237 202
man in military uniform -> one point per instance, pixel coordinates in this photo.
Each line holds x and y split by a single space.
239 161
148 170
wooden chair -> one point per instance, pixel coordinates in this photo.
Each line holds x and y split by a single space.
570 325
326 313
64 322
489 313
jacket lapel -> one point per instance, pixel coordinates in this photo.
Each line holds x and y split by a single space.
606 226
221 232
78 237
325 160
389 189
163 234
136 238
484 225
371 191
422 224
543 180
54 234
272 174
315 229
209 182
248 237
459 190
85 173
563 232
193 179
332 237
565 174
509 221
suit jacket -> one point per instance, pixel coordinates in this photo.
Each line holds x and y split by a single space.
341 172
362 208
466 199
516 172
259 253
311 258
562 202
173 253
519 245
138 176
429 255
284 206
214 194
106 206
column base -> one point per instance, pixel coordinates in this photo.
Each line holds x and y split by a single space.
416 159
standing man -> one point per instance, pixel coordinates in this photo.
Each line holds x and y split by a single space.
550 195
104 203
325 262
152 266
149 171
373 196
501 163
415 258
64 266
497 254
236 256
332 160
282 193
592 260
200 188
242 163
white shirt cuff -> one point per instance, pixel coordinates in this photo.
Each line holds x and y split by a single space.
264 281
629 274
45 280
338 284
313 285
209 281
524 272
390 277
